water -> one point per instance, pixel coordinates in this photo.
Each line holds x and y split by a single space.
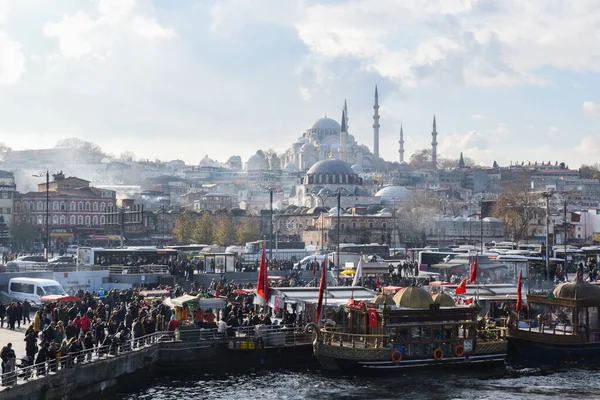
530 384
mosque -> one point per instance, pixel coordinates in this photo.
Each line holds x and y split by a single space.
326 138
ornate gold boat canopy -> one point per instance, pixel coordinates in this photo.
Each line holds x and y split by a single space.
573 294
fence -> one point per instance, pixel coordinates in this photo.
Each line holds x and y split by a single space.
113 269
266 336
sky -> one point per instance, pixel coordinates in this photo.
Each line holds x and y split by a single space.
508 80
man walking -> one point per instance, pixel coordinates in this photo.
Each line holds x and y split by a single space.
26 311
2 315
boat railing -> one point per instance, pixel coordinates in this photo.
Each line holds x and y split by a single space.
492 334
557 328
364 340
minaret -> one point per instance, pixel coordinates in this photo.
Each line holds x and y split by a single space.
343 138
401 142
376 126
346 112
434 145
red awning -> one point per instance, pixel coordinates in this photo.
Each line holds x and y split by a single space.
440 283
51 298
242 291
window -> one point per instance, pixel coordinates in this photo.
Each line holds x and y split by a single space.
370 225
31 206
40 206
102 206
354 225
95 219
87 206
39 291
18 206
384 225
80 206
80 220
55 205
40 220
102 220
73 207
55 220
8 210
63 206
87 220
22 287
72 220
95 206
63 220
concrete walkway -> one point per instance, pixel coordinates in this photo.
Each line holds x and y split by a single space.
15 337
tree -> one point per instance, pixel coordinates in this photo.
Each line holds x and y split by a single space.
274 162
23 231
589 171
421 159
225 234
204 230
516 207
248 230
413 215
185 226
127 156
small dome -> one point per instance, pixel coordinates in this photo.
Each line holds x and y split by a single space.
316 189
330 166
302 141
413 297
397 192
383 299
325 192
577 290
443 299
334 211
404 164
307 147
290 167
357 168
459 219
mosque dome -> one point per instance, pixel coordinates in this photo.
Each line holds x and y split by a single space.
390 192
330 166
443 299
307 147
404 164
357 168
290 167
413 297
325 125
302 140
207 162
577 290
255 162
334 211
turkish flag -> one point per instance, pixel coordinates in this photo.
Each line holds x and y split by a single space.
473 275
462 288
519 295
469 301
372 317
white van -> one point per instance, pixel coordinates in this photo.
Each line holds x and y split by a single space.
33 289
309 259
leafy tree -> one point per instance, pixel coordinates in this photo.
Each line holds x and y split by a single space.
248 230
225 233
204 232
23 231
185 227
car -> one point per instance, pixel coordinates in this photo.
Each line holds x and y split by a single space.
25 263
72 249
62 260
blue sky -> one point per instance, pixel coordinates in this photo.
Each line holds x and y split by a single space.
508 80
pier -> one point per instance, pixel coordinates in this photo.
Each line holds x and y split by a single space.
105 369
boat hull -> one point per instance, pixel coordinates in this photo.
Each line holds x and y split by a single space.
531 349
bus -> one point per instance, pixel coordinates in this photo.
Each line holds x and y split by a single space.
291 250
90 256
381 250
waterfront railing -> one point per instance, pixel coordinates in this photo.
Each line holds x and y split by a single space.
261 337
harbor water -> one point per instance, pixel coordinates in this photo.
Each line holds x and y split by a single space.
530 384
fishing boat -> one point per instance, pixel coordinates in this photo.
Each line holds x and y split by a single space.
562 325
412 329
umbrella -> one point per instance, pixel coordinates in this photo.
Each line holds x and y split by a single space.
348 272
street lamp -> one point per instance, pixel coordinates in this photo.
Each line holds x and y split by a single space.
47 239
323 195
547 196
481 222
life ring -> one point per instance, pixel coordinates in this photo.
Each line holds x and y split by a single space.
438 354
459 350
396 356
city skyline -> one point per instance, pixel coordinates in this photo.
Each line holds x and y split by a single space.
507 81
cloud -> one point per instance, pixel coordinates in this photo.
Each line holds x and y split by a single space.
478 116
590 108
12 60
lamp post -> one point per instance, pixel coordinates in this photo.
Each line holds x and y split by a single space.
47 239
547 196
339 196
481 222
565 243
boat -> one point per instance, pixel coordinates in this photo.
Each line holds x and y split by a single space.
412 329
563 325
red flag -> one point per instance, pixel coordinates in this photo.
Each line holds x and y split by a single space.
473 275
372 317
351 302
462 288
519 304
322 287
469 301
262 287
377 283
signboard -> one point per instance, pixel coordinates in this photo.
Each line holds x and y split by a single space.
143 278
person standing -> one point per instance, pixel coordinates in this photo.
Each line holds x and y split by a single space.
18 314
26 311
2 315
30 344
11 316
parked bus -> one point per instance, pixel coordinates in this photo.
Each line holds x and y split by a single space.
88 256
281 251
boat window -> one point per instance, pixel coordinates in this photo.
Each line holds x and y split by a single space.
426 333
448 331
437 333
427 348
403 334
415 333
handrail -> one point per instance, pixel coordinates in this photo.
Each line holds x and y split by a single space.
199 336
